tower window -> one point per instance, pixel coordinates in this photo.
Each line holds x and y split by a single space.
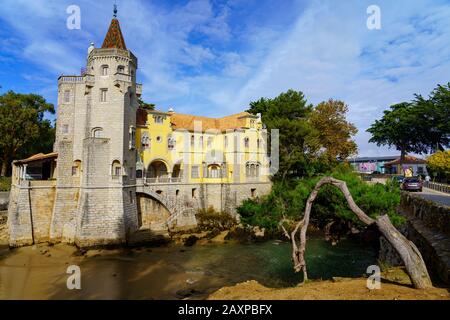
225 142
116 169
121 69
67 96
192 140
132 142
103 94
97 133
104 70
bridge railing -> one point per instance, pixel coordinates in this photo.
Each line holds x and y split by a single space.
442 187
162 180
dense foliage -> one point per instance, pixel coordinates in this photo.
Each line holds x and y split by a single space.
23 129
311 139
287 201
210 219
419 126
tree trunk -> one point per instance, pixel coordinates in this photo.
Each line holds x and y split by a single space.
4 168
415 266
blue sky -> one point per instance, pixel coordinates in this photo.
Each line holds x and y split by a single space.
211 57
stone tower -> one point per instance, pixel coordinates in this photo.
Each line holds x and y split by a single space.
95 200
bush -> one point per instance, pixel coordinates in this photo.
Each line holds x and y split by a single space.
5 183
287 200
210 219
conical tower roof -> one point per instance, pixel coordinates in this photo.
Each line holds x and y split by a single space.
114 37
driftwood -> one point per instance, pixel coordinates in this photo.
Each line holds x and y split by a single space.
415 266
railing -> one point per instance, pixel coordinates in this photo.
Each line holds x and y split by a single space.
163 180
123 77
87 78
442 187
71 79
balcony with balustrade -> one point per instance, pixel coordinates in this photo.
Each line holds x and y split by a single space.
86 79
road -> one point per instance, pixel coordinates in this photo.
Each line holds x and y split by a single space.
439 197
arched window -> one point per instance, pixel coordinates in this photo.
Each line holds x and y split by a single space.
257 170
200 141
139 174
76 168
246 142
214 171
258 143
97 132
116 169
225 142
104 70
210 141
120 69
247 170
192 141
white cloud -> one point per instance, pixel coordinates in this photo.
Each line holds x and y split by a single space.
198 58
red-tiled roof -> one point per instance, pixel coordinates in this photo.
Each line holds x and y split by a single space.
114 37
408 160
186 121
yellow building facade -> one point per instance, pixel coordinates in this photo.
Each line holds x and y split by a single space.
184 148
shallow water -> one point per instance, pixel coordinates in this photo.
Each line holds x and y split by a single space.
158 273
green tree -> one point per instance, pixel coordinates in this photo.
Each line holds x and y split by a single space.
433 116
398 128
22 125
297 138
335 132
145 105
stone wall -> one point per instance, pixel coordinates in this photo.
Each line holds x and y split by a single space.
427 227
432 214
222 197
30 211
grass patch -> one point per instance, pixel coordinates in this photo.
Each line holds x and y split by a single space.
5 183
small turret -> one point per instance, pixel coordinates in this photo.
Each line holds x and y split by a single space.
91 47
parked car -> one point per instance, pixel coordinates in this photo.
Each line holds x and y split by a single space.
411 184
398 179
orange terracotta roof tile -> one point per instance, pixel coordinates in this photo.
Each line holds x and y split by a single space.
186 121
114 37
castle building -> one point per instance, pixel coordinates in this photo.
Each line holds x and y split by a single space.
120 171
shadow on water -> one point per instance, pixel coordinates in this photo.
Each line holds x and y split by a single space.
160 273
